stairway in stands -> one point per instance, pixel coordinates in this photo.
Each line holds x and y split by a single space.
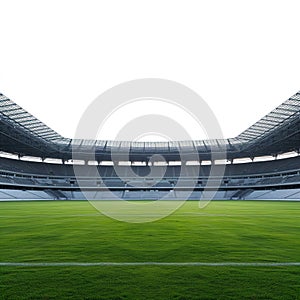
241 194
56 194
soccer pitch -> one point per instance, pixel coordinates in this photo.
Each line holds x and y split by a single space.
229 250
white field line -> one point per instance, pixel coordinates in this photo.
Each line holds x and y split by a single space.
152 215
136 264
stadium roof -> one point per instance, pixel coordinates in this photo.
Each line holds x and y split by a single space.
284 113
17 116
23 134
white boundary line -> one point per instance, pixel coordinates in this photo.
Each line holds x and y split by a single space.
176 264
186 214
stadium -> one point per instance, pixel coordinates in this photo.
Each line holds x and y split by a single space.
262 162
64 249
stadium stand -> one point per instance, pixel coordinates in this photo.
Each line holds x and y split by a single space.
22 135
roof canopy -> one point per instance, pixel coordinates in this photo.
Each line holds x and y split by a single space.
23 134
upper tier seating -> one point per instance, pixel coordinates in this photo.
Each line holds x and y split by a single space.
60 170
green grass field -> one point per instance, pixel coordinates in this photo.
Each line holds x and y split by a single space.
225 231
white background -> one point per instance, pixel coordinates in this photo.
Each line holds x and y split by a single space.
242 57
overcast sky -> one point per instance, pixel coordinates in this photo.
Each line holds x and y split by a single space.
242 57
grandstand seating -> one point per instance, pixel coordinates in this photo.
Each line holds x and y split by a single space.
276 133
241 178
63 170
